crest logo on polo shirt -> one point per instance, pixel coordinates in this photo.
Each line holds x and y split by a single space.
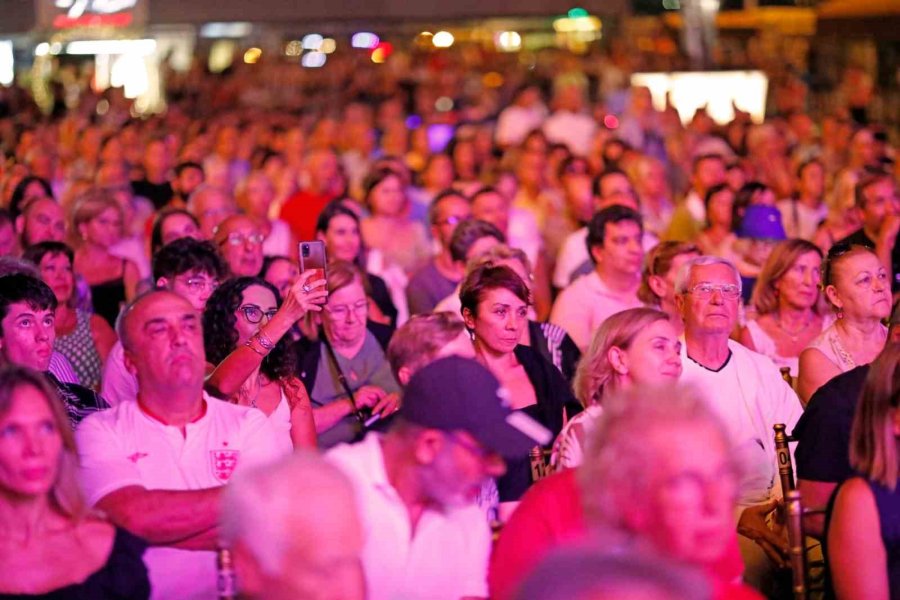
224 463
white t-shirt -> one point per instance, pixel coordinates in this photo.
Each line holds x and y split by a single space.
118 384
445 559
575 130
123 446
516 122
583 306
750 397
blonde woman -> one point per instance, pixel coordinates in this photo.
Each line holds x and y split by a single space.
863 533
52 546
97 220
635 346
789 307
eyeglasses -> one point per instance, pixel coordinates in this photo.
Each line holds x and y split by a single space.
706 290
342 311
254 314
197 285
239 239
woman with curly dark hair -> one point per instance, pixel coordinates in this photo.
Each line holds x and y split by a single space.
242 322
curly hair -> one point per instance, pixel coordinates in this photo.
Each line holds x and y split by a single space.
220 336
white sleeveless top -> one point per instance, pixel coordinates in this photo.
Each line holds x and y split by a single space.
281 422
829 343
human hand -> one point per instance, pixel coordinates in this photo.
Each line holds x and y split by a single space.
306 294
753 525
369 396
389 404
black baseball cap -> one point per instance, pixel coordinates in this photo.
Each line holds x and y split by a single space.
459 394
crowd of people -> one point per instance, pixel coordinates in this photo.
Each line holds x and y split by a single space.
544 359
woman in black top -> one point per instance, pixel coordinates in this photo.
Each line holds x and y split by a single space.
495 304
51 546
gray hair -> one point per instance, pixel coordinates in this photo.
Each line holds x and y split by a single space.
260 501
617 455
586 572
683 278
206 189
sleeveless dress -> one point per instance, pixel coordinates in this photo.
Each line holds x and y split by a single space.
281 422
766 345
81 351
122 577
829 343
108 297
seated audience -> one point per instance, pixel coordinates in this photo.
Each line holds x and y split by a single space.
43 513
858 287
97 220
718 238
747 392
634 347
234 317
802 213
210 206
187 267
788 306
275 557
170 225
42 220
239 241
437 280
344 368
680 507
658 277
495 304
862 550
338 227
416 485
425 338
254 196
281 272
27 332
471 239
156 466
84 339
614 241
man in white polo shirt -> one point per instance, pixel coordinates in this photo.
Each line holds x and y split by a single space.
614 241
156 466
424 536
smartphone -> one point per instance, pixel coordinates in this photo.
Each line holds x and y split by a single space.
312 258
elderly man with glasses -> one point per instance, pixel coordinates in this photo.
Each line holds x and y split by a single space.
749 395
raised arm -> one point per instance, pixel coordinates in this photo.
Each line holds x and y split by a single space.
231 373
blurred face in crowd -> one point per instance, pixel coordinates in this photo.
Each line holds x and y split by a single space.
156 159
531 169
799 286
710 304
880 203
164 346
103 230
56 271
579 197
498 322
42 221
211 207
862 148
735 177
282 274
195 286
615 188
342 239
344 317
707 173
27 336
720 209
451 211
652 180
258 305
258 195
686 510
811 182
188 180
621 252
653 357
177 226
388 198
7 239
861 287
457 468
663 285
226 142
240 242
30 444
438 175
322 168
492 207
464 160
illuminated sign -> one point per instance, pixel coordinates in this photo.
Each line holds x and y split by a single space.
67 14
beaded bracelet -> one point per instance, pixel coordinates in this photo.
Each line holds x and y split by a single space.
264 340
249 343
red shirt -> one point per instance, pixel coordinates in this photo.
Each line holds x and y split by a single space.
301 211
550 515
